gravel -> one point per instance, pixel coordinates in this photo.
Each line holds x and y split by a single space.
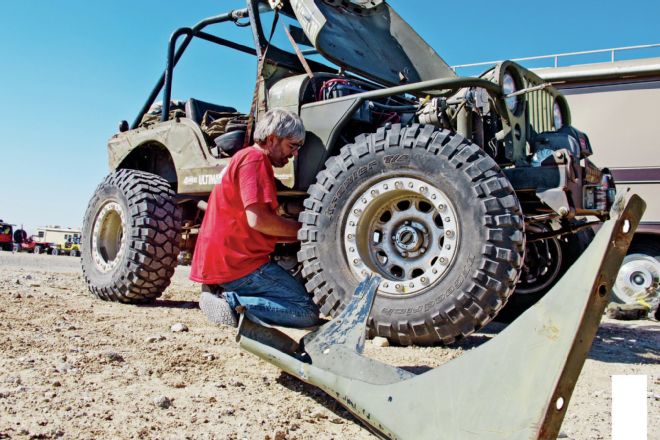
95 369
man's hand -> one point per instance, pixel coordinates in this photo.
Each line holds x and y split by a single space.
263 219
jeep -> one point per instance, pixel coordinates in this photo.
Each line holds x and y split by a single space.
456 191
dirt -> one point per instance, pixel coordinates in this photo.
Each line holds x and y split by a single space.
73 366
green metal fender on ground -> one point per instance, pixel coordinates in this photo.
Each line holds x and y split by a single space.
516 386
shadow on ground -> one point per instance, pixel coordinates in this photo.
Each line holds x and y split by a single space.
320 396
628 345
171 304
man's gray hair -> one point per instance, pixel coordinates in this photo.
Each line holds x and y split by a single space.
282 123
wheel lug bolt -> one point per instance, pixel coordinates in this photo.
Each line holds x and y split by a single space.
448 247
350 236
356 261
449 234
424 280
351 223
374 192
435 271
447 219
410 185
386 186
352 249
357 211
386 284
441 207
398 185
443 260
364 200
411 284
433 197
423 189
398 287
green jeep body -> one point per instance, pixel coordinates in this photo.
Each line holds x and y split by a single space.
453 189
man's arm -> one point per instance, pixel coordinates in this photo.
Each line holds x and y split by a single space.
264 220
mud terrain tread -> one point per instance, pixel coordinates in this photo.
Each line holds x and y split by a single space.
500 259
154 223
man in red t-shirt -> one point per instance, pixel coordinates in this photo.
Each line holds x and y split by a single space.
240 230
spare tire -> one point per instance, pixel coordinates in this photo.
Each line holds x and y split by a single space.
130 237
430 213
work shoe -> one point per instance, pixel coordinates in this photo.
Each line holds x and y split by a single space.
217 309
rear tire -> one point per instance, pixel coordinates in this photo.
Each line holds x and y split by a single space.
130 237
54 251
37 249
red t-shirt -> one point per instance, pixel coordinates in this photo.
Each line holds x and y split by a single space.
227 247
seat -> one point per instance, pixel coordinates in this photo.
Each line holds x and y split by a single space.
195 109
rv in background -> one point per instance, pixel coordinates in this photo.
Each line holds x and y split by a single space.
618 105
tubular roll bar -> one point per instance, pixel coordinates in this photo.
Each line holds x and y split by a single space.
173 58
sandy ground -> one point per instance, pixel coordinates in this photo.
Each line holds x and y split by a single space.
72 366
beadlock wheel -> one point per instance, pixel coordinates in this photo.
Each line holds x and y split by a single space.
108 237
404 230
130 237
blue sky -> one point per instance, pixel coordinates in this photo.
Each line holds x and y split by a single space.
72 69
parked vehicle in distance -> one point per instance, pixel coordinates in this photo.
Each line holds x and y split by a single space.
25 243
70 247
6 236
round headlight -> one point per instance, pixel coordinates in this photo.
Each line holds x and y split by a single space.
558 115
509 86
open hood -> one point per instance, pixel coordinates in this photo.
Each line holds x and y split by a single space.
369 38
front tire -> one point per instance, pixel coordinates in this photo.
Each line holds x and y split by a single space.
431 214
130 235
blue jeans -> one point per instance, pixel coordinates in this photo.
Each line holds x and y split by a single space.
271 295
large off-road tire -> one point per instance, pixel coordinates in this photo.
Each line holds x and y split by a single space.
130 237
546 261
431 214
